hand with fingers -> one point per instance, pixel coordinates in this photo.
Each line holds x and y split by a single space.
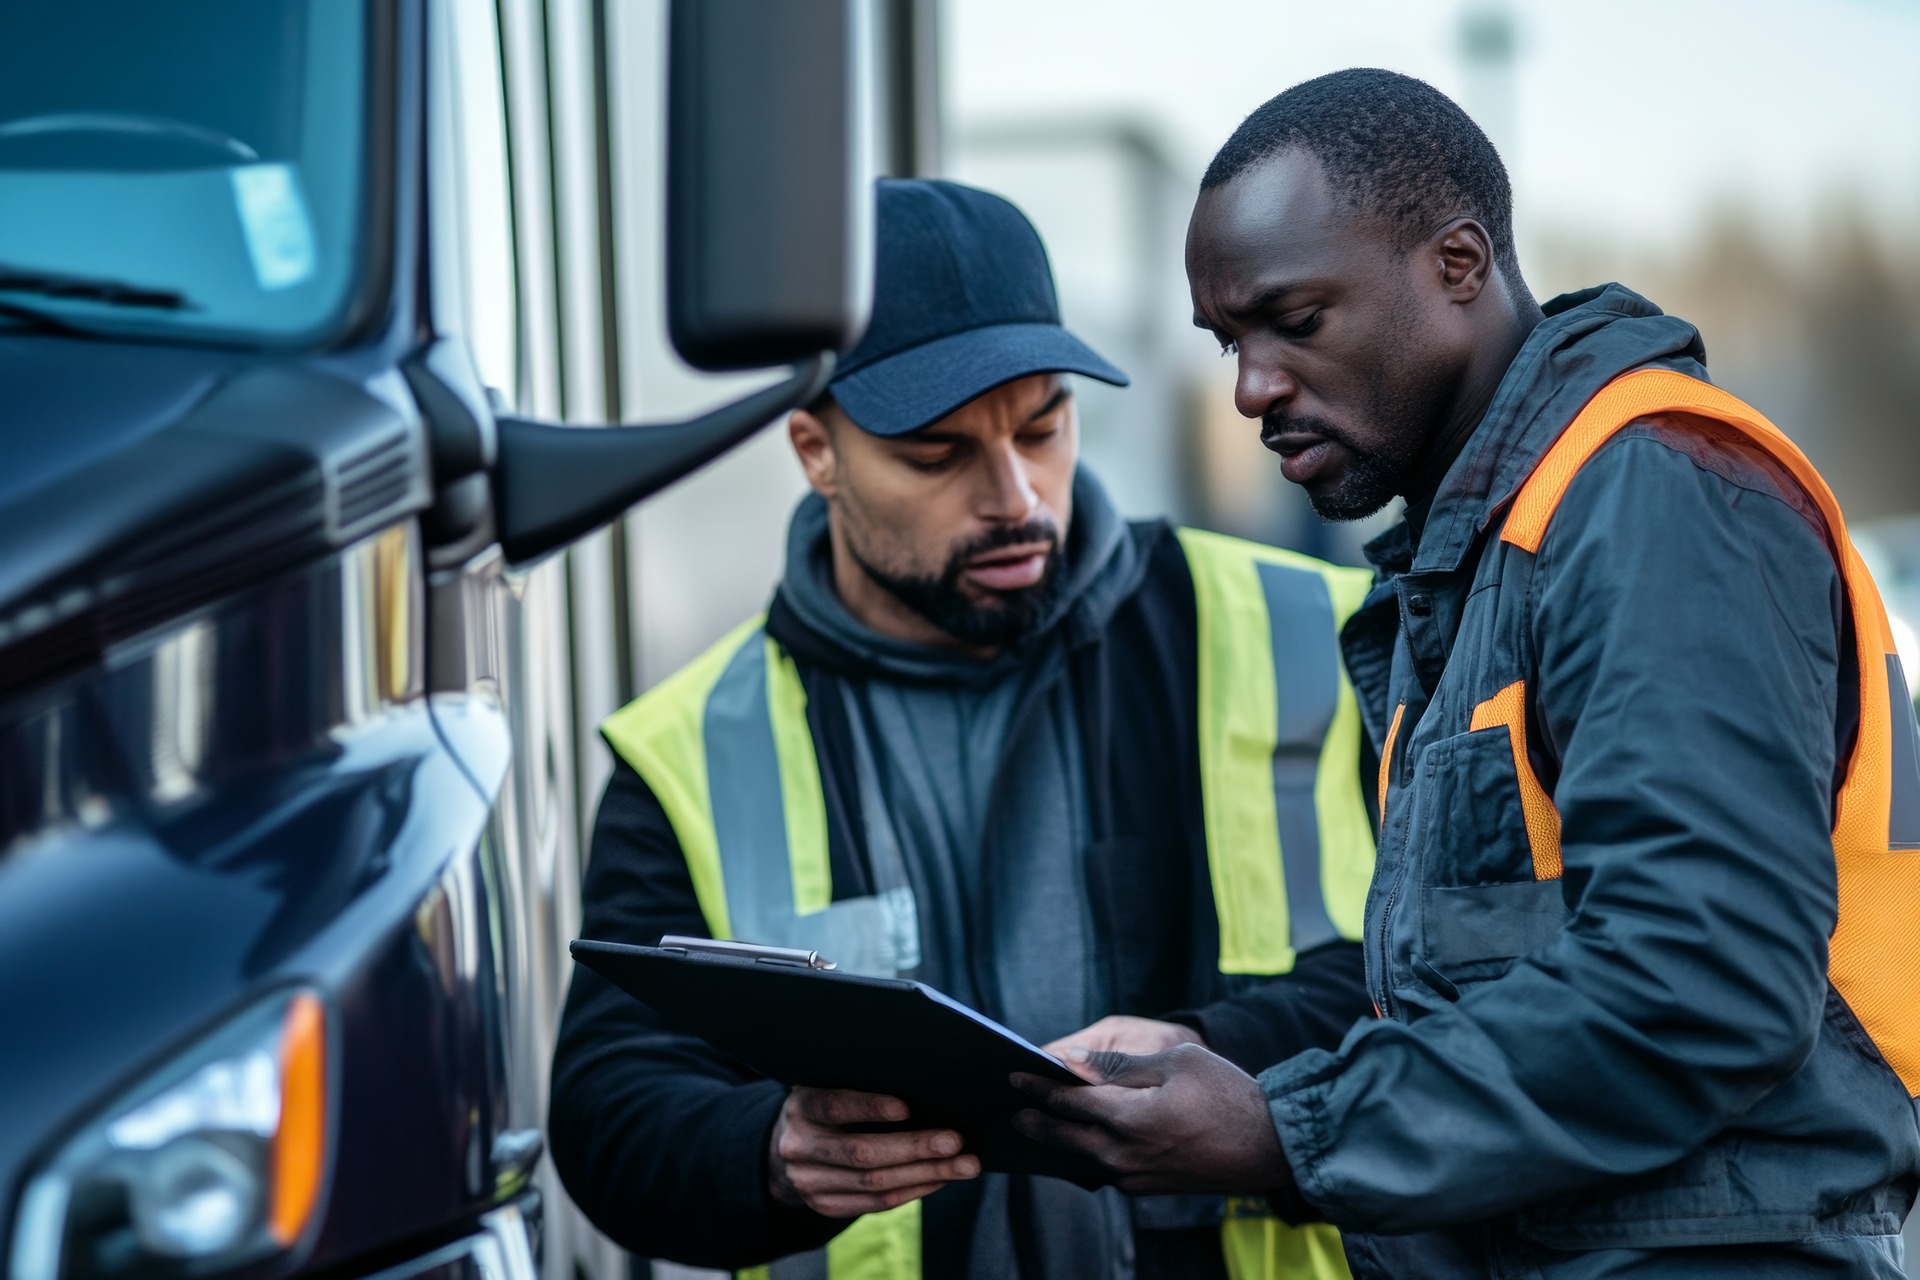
1181 1120
817 1161
1123 1034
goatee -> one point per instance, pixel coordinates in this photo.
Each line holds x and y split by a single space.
999 619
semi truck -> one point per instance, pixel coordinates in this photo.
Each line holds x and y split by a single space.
311 572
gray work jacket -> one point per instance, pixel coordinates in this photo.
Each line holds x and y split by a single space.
1644 1054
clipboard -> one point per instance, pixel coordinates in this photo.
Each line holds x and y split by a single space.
792 1017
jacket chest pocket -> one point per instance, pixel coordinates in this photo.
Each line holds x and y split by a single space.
1480 905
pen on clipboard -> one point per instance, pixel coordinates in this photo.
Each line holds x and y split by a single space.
748 951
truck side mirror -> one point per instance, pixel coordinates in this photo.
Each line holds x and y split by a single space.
769 249
769 200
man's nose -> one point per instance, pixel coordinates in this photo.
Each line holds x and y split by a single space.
1007 494
1262 386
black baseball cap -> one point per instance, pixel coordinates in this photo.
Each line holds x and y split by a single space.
963 302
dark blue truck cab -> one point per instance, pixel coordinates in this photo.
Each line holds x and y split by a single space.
282 904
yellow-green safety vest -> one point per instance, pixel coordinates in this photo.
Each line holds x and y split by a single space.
724 746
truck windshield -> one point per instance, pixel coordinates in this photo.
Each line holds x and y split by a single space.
185 171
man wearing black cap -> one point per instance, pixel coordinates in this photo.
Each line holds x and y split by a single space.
1099 780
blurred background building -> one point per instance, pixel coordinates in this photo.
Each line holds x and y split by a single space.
1753 165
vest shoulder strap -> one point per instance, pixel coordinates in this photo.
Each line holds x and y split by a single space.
1872 962
662 735
1289 843
1645 393
680 696
670 733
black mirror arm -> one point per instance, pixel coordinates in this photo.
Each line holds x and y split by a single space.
554 484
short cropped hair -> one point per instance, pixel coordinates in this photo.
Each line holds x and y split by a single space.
1393 147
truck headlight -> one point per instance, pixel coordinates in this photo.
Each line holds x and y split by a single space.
215 1161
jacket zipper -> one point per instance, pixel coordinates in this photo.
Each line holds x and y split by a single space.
1384 998
1386 918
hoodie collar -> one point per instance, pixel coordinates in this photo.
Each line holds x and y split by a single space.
1588 339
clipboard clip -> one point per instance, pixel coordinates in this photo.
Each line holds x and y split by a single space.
748 951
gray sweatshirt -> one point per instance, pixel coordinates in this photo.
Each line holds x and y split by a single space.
974 788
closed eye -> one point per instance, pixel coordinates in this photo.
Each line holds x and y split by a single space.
1301 328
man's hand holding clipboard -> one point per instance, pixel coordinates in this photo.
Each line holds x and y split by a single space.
896 1088
825 1154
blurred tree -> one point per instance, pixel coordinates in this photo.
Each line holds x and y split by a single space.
1819 328
1860 321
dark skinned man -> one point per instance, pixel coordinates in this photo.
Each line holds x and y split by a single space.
1641 933
1100 779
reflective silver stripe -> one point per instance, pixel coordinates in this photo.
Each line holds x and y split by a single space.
749 821
876 936
1306 677
1903 815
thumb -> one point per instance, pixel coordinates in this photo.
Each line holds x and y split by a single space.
1110 1066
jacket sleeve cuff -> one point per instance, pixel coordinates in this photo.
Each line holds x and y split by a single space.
1234 1032
1297 1093
742 1187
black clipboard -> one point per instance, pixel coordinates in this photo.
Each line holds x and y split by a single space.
790 1019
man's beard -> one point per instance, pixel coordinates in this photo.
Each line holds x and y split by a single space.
1373 476
1003 617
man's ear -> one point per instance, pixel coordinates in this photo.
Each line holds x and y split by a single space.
813 445
1463 253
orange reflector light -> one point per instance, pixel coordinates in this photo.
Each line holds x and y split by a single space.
300 1147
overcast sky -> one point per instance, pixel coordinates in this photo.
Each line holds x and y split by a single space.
1630 118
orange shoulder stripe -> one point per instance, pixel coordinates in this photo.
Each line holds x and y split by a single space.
1873 962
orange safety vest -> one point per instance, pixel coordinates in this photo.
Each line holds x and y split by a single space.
1874 953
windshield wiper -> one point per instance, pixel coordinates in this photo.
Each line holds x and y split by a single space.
37 321
114 293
